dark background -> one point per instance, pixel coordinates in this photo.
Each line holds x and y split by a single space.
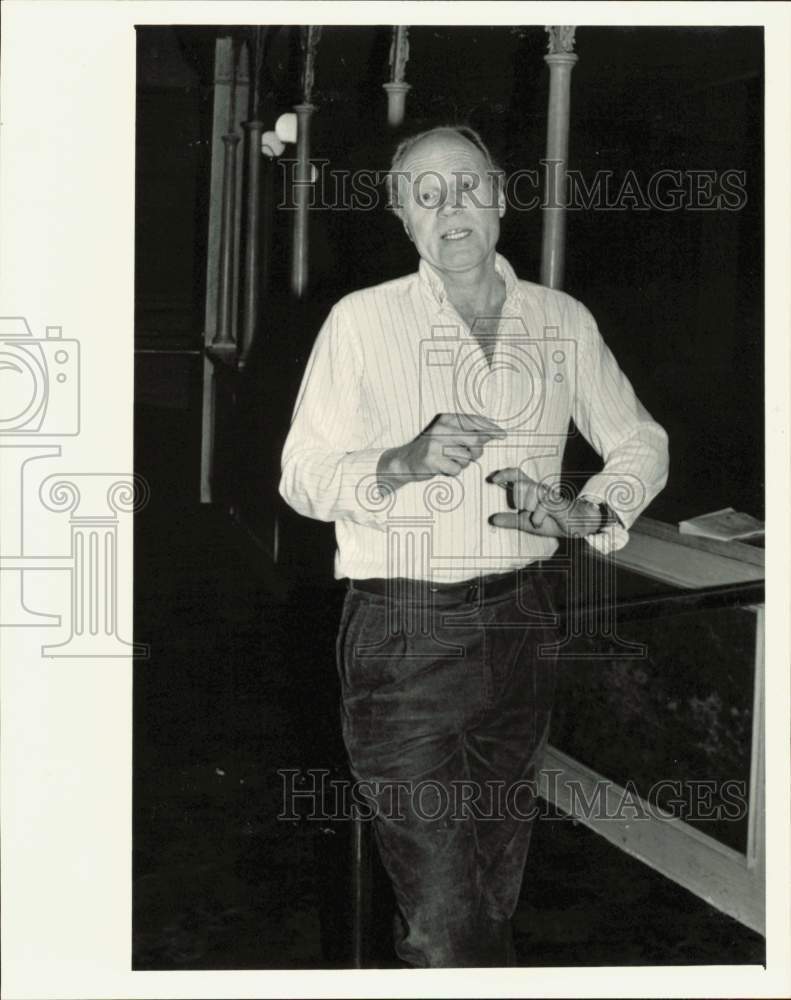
678 295
240 679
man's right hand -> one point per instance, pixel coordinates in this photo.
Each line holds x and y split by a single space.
446 447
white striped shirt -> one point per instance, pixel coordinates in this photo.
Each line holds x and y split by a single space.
389 358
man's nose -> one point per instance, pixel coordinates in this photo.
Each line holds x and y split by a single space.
451 202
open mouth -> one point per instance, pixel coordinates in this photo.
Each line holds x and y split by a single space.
456 234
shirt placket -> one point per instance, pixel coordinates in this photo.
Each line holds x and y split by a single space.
500 386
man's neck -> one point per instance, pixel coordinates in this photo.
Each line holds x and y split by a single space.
478 291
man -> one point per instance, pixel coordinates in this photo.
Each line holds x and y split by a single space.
430 428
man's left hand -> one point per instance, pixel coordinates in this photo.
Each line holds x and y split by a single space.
536 512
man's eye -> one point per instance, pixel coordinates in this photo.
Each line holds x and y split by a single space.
467 184
428 197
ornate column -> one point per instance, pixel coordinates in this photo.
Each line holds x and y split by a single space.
397 88
224 336
231 92
591 582
94 501
561 60
303 182
251 283
309 41
410 555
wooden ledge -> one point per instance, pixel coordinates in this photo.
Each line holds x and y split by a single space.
661 552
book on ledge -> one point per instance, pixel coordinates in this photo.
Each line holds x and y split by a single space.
726 525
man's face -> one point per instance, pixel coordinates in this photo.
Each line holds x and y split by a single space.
450 203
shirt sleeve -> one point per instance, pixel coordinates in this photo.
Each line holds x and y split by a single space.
328 467
633 446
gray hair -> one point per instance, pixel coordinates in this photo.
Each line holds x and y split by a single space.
406 145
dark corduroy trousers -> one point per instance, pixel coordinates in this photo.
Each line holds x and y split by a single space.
446 701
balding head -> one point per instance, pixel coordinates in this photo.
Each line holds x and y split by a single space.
408 159
445 189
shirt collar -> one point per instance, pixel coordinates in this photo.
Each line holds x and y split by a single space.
434 285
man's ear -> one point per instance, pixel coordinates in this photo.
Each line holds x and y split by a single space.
501 200
406 230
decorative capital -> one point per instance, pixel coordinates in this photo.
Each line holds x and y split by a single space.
94 496
230 64
399 52
442 495
309 42
561 38
375 496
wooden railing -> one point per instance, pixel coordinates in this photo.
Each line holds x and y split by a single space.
696 577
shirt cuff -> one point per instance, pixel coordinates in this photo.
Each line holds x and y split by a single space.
611 537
